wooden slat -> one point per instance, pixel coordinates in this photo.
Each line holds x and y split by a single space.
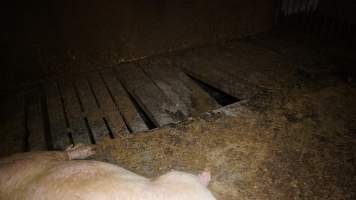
126 107
190 98
152 100
112 115
201 100
57 122
171 86
77 124
91 108
208 72
35 122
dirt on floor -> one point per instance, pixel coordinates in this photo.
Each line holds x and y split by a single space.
292 142
297 141
299 144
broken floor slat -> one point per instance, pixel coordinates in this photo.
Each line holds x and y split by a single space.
123 102
152 100
57 121
171 86
35 122
201 100
112 115
91 108
191 99
73 109
198 67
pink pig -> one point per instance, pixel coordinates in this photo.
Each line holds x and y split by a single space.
55 175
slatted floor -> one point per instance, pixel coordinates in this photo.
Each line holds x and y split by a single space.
134 97
130 98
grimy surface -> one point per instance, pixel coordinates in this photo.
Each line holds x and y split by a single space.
297 145
88 107
295 140
292 135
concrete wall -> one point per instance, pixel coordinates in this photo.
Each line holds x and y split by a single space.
44 37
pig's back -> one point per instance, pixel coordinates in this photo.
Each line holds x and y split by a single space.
82 179
77 179
19 169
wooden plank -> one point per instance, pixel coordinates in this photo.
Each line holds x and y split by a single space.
57 121
112 114
201 100
91 108
35 122
152 100
190 98
208 72
77 126
171 86
121 99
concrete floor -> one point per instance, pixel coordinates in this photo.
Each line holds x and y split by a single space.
294 138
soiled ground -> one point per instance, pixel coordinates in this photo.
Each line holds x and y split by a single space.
297 142
299 145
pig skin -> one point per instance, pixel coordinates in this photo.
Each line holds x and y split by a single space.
55 175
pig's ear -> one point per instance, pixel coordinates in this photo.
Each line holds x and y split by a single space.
204 177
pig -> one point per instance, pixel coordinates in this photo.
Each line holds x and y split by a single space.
59 175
